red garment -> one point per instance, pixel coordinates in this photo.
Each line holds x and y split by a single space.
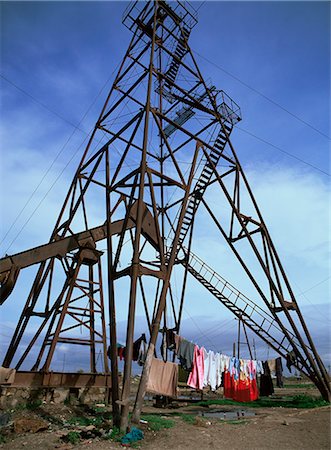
195 379
240 390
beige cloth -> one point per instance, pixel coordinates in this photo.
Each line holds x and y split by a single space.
163 378
7 376
272 366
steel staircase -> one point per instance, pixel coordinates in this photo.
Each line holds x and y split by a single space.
202 183
180 52
258 320
186 112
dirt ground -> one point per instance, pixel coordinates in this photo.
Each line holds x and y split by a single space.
269 428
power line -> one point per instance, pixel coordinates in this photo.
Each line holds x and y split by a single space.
283 151
263 95
76 127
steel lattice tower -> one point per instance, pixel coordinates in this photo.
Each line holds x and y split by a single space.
160 117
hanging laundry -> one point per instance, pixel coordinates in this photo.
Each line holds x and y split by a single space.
290 360
266 386
163 347
163 378
120 351
240 380
272 366
177 342
279 372
196 377
137 345
171 339
185 354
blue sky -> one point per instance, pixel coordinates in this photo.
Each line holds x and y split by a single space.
64 53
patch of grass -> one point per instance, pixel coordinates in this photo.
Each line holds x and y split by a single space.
85 421
73 437
297 401
34 404
115 435
3 440
188 418
156 422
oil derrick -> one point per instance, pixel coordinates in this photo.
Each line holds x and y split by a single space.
161 140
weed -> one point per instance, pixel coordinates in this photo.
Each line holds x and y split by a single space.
115 435
85 421
73 437
188 418
156 422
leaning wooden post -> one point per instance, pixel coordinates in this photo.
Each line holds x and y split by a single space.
156 322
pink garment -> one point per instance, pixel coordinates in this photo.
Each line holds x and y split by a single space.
195 379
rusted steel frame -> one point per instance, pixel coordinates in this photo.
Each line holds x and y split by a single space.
50 282
129 55
155 213
173 306
83 203
192 136
111 302
156 297
64 308
247 341
142 290
235 193
317 359
161 304
192 102
111 140
127 148
325 378
79 323
73 195
166 178
124 228
65 226
196 135
130 97
135 259
24 318
186 270
266 257
52 316
122 181
195 191
165 140
103 321
178 101
51 250
274 266
250 275
121 138
125 94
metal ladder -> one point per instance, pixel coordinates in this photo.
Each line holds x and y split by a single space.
258 320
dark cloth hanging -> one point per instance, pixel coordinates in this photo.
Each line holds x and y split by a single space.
185 354
163 347
279 372
136 347
266 386
290 360
170 338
